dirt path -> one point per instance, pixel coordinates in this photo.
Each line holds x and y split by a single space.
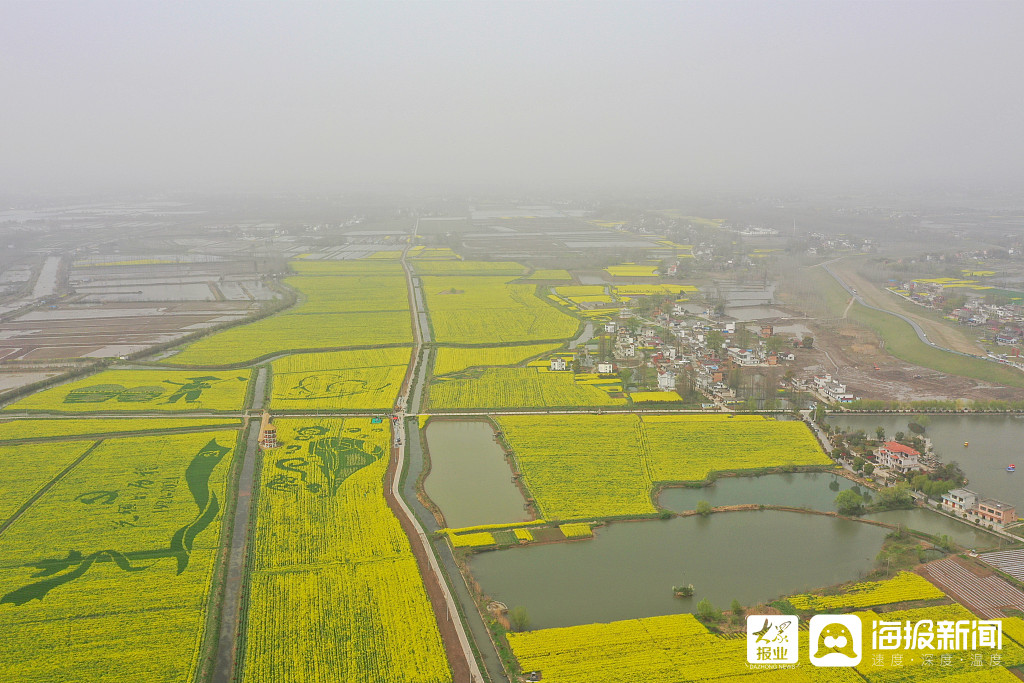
231 603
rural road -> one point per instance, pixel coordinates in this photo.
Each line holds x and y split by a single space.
400 440
917 328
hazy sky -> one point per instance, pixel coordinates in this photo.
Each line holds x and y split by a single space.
296 96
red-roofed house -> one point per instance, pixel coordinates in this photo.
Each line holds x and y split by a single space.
897 457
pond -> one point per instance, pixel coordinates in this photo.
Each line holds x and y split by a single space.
816 490
469 478
629 568
994 442
937 524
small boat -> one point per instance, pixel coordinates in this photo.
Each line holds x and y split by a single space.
1011 468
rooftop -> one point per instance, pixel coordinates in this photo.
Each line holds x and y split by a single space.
897 447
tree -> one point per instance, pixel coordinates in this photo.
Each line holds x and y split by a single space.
737 611
894 497
808 341
703 508
775 343
519 619
900 436
849 502
869 468
880 433
714 340
858 464
707 612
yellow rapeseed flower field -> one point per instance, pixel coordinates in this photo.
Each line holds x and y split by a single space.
903 587
340 380
489 310
107 574
38 428
143 390
333 312
517 388
335 592
451 359
591 466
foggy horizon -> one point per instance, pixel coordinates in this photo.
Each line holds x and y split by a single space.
676 96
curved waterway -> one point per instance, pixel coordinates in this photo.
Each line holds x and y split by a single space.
469 478
629 568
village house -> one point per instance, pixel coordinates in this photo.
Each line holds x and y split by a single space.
895 456
992 510
959 500
605 368
558 364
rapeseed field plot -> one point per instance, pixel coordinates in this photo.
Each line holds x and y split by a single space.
549 274
335 592
489 310
146 390
516 388
351 293
570 477
334 312
677 648
436 253
903 587
687 449
451 359
107 575
28 468
612 471
468 268
39 428
570 291
294 332
652 290
354 267
341 380
655 396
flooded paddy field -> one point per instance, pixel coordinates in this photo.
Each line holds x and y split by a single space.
98 330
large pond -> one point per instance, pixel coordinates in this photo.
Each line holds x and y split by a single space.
995 441
816 490
469 478
629 568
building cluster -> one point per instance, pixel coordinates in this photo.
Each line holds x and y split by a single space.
972 507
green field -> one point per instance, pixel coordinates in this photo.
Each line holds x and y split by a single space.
902 341
143 390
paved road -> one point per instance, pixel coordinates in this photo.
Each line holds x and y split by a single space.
452 615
